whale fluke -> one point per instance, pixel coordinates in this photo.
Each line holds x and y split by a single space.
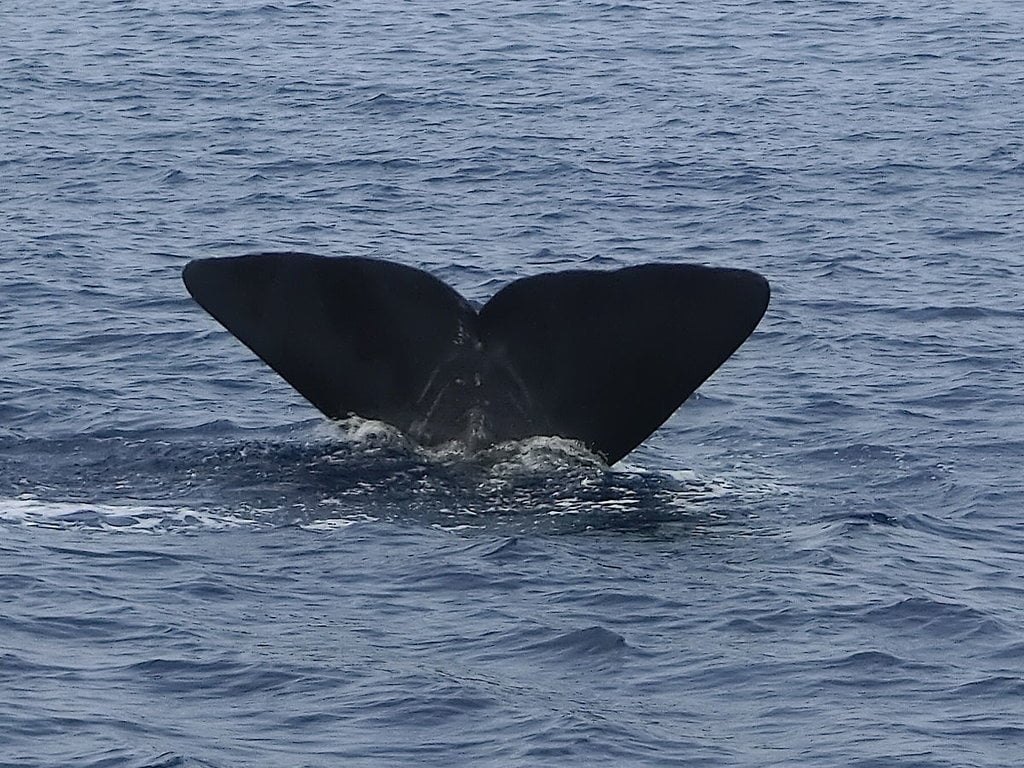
603 357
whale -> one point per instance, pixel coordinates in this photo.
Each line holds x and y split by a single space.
602 357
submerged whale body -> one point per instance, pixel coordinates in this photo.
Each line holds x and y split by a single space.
603 357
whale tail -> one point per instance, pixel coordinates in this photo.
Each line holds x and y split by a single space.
603 357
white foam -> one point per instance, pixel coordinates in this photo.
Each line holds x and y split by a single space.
122 516
135 516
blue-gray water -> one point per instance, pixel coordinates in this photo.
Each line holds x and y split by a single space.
818 560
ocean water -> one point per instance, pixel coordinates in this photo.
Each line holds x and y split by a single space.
816 562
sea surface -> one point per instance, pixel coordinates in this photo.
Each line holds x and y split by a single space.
817 561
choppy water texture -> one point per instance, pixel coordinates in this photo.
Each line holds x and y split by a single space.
817 561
